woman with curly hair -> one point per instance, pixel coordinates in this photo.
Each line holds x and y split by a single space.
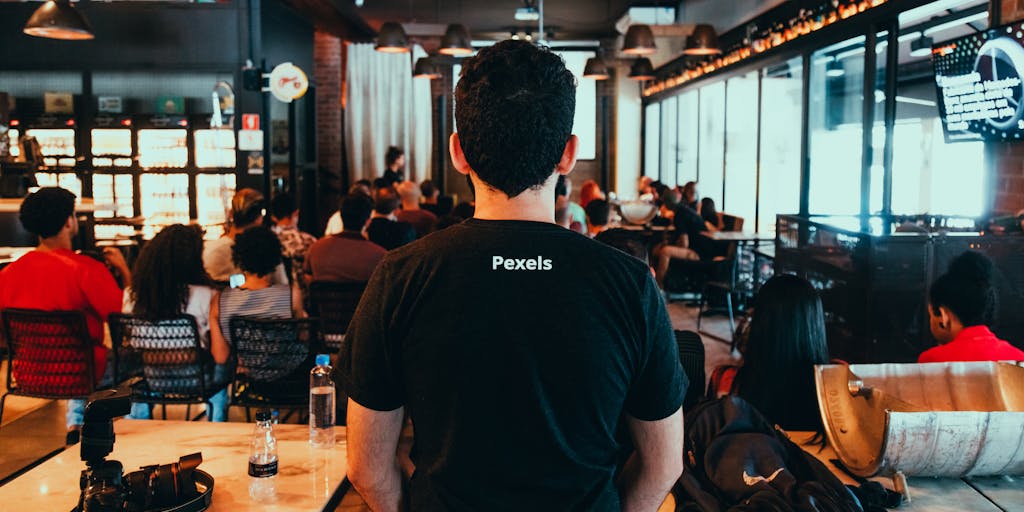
169 280
257 252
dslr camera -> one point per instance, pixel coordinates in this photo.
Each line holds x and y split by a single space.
105 488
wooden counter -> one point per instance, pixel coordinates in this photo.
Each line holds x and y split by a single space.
307 480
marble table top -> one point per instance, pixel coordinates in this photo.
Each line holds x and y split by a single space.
307 477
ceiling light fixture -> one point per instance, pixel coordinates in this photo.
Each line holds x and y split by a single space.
58 19
456 41
425 68
641 70
639 40
528 13
595 69
392 39
834 69
921 47
703 41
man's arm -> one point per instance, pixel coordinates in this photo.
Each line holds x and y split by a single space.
656 465
372 464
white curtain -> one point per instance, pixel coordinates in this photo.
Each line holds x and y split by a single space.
384 107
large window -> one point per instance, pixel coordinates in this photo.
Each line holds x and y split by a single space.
689 138
741 148
836 131
928 175
584 125
782 90
711 166
652 140
669 142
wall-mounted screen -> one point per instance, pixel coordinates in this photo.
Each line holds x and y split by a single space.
979 83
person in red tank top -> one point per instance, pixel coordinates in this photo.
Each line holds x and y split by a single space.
961 305
52 277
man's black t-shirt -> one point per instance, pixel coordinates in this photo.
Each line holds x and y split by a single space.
390 234
515 347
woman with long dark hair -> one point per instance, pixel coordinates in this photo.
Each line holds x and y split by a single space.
169 280
786 339
962 304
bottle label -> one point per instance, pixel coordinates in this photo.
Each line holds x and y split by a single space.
263 470
321 407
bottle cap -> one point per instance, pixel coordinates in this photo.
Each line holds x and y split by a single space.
263 415
323 360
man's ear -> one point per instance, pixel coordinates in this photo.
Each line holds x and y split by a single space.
945 317
458 157
70 223
568 161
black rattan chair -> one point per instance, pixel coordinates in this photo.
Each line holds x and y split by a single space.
175 368
50 355
274 357
335 304
691 357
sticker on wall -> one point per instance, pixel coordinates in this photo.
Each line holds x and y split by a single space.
58 103
170 105
288 82
254 162
250 140
109 105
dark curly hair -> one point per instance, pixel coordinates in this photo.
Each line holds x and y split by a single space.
167 265
514 105
598 212
257 251
44 212
282 206
966 289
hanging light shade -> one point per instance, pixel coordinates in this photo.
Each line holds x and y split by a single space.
641 70
58 19
425 69
834 69
595 69
703 41
921 47
392 39
639 40
456 41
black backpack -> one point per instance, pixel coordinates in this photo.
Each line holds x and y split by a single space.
737 461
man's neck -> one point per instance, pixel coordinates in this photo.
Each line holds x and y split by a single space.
596 230
255 282
389 216
536 205
353 233
285 223
55 243
411 205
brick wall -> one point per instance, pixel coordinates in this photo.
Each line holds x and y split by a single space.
327 71
1009 158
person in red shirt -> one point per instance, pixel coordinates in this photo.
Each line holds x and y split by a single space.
961 305
52 277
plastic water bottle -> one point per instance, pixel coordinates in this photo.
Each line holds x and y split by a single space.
321 404
263 459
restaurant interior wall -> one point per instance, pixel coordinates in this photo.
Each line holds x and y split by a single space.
169 45
1009 158
845 151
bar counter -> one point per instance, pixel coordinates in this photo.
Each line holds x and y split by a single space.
308 478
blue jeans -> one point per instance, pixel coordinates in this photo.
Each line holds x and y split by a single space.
219 401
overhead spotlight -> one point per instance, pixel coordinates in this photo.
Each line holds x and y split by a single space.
639 40
529 36
834 69
641 70
515 36
392 39
921 47
456 41
58 19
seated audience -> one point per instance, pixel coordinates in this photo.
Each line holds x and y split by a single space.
961 306
53 277
385 229
169 280
562 217
708 212
334 225
422 220
348 256
589 191
431 195
689 195
247 210
785 341
577 216
285 214
394 167
643 187
257 252
598 212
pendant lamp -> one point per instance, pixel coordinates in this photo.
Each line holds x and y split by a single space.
639 40
58 19
392 39
456 41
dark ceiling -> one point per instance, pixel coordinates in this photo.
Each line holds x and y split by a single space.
570 19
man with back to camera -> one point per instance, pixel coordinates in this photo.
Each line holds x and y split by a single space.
54 278
517 346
